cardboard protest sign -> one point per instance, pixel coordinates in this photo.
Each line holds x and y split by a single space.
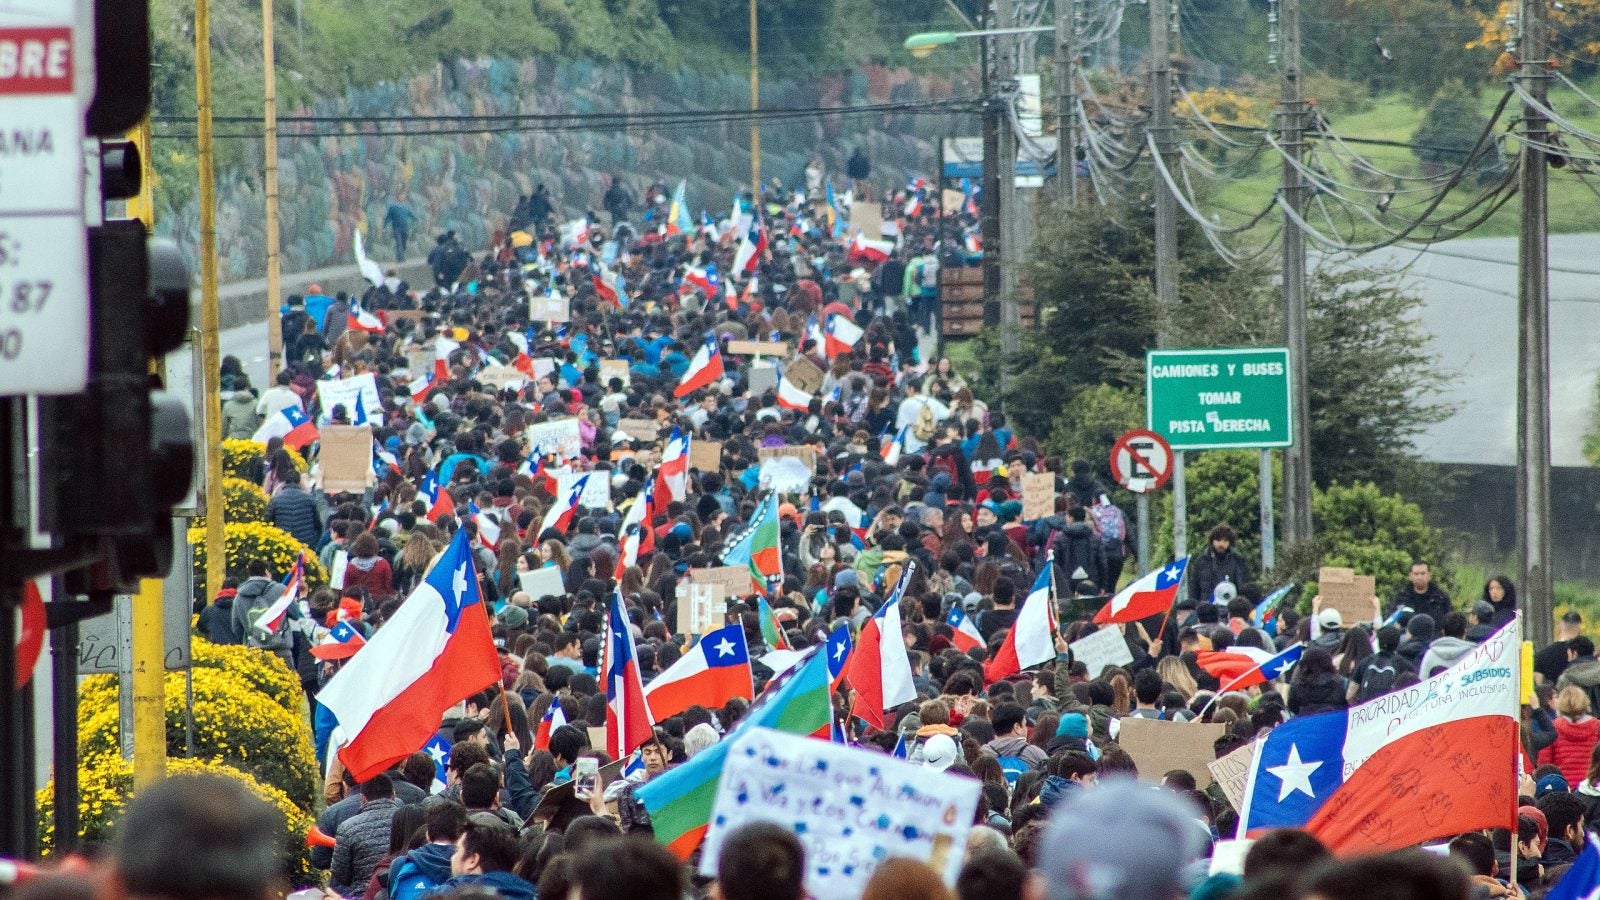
1159 747
705 455
1105 647
501 377
869 218
542 582
701 606
596 491
763 377
803 452
785 474
643 430
615 368
759 348
419 362
952 201
804 374
345 458
1038 495
343 392
558 436
544 308
1232 771
851 808
734 580
1349 593
544 365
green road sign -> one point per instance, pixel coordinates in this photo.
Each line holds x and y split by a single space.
1215 399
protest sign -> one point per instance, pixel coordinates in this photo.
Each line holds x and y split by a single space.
851 808
869 218
803 452
1232 771
705 455
1349 593
345 458
1038 495
419 362
542 582
785 474
763 377
804 374
544 365
1159 747
343 392
759 348
341 562
615 368
952 201
557 436
645 431
501 377
735 580
545 308
1105 647
701 606
596 491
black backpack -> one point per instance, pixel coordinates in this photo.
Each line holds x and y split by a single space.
1379 672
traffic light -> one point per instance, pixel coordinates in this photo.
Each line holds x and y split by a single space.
124 452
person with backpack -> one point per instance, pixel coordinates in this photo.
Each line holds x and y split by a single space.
1377 674
255 596
919 416
1079 551
1010 745
1112 527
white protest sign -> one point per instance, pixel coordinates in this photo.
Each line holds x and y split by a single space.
596 491
341 562
1105 647
785 474
542 582
344 391
558 436
852 809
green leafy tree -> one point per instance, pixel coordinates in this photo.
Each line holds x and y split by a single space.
1092 421
1376 534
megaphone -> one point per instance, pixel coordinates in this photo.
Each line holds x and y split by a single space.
1224 592
315 837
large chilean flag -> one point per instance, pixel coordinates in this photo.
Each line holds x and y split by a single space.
1433 759
1151 595
1032 638
628 722
433 653
712 672
880 670
705 368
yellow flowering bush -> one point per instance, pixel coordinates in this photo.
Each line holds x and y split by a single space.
249 541
233 723
244 501
105 783
242 459
1223 105
261 670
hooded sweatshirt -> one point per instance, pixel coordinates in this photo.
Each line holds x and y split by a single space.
504 884
1573 746
1018 747
420 870
1444 652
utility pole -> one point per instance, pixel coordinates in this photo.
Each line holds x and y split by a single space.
1067 101
1533 333
989 217
269 151
210 351
755 104
1010 319
1291 123
1166 231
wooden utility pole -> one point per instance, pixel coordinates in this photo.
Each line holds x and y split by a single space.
755 104
210 351
269 150
1067 101
1161 131
1291 124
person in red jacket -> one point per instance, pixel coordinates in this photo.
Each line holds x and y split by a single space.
368 570
1577 732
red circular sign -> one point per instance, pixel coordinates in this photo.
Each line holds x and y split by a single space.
30 639
1141 460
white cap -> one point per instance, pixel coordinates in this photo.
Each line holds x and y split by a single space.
939 752
1330 618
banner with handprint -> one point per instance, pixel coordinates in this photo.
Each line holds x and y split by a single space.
1426 760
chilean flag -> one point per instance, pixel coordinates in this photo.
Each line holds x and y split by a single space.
672 474
748 258
635 534
841 335
562 512
1151 595
272 616
421 388
1241 667
863 248
791 397
705 368
628 722
965 635
361 320
706 278
290 423
540 475
606 292
488 528
440 503
438 750
839 650
892 446
1434 759
554 718
341 642
712 672
1032 638
880 670
433 652
442 348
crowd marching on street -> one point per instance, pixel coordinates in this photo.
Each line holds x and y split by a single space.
615 538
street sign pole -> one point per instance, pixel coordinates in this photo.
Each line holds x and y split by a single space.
1180 508
1141 461
1142 512
1268 549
